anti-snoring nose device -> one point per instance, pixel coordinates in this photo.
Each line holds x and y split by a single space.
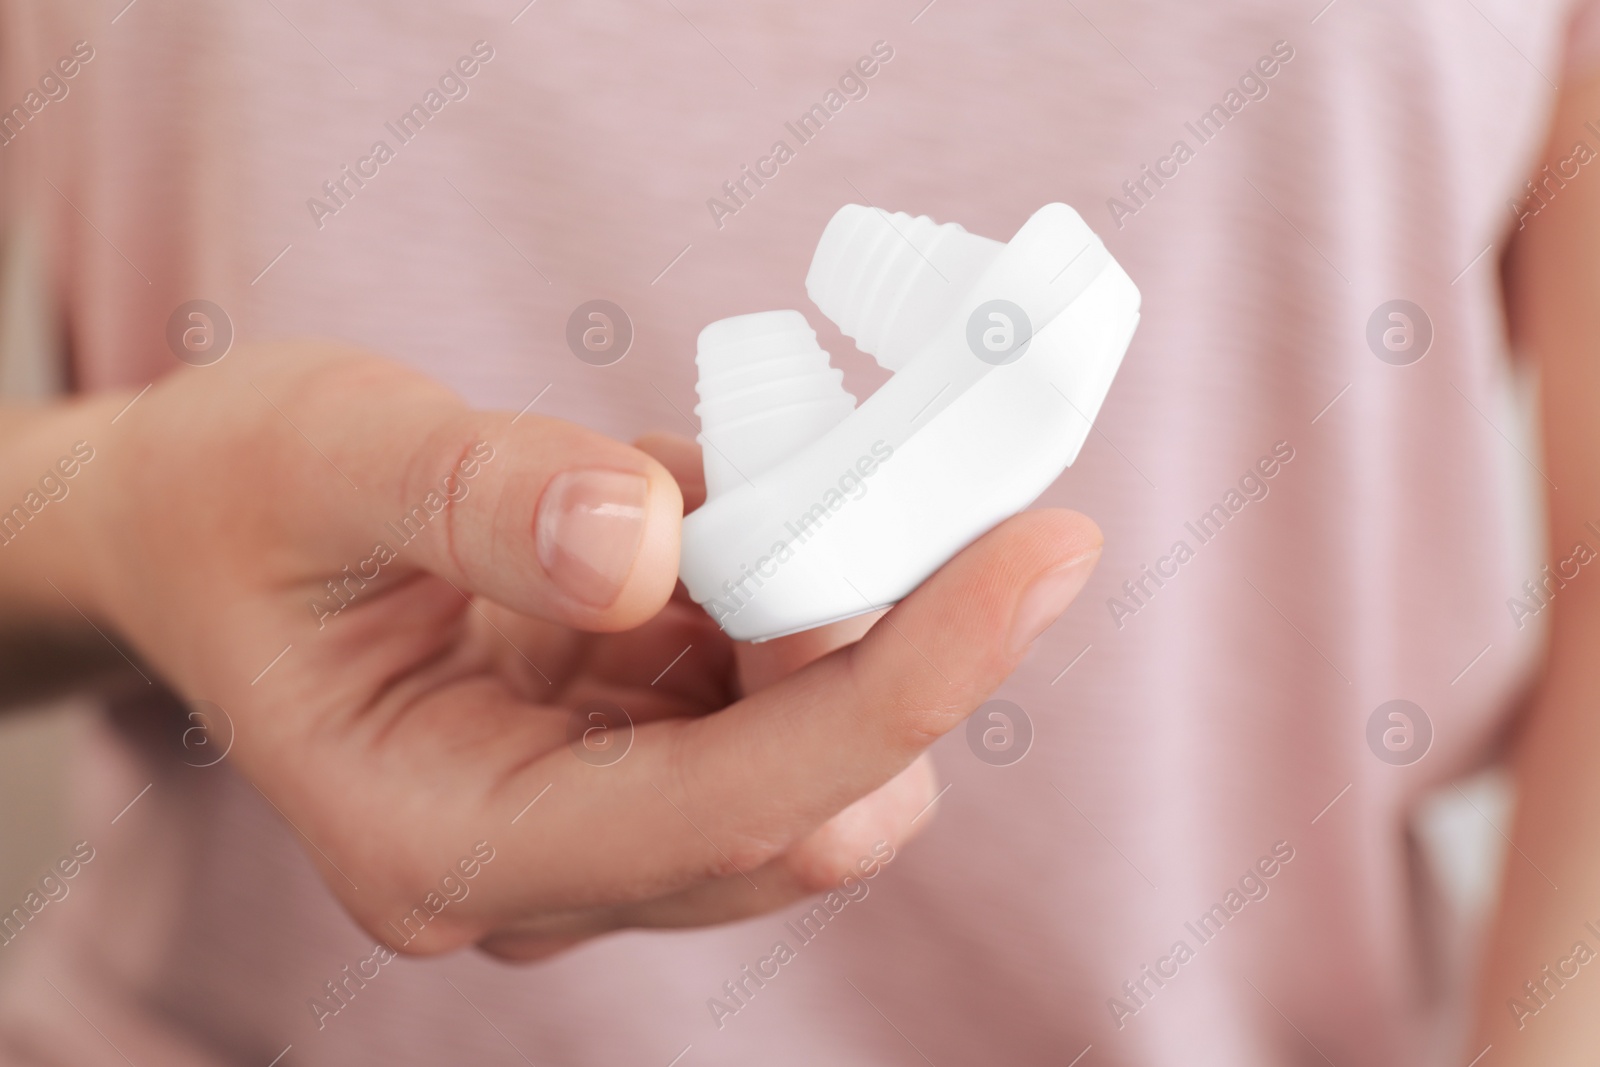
1001 354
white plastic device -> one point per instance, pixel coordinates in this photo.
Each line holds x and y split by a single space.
1002 353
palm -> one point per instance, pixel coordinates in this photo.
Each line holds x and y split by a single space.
440 714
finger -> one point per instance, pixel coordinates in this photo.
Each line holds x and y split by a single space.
800 750
682 457
394 473
762 664
841 856
848 847
727 793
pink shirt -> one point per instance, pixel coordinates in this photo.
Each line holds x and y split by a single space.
1190 728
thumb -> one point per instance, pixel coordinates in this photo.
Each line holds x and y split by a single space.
538 514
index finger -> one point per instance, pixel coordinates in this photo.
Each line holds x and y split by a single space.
719 796
795 753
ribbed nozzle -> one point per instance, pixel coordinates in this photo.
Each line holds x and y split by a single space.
766 391
888 280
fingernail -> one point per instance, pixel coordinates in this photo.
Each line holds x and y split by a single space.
1047 598
588 530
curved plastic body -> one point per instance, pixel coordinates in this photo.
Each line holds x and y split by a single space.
955 442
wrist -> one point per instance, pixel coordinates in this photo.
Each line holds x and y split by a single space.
55 488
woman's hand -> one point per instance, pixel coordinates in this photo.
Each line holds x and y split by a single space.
420 620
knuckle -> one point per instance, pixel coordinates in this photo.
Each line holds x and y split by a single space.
917 703
730 852
920 715
432 489
742 854
824 863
